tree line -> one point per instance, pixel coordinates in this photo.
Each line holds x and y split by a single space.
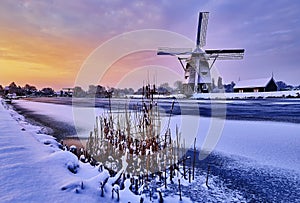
101 91
13 88
92 91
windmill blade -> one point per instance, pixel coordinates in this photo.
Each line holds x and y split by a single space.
174 51
225 54
202 29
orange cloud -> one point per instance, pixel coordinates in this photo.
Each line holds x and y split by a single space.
39 59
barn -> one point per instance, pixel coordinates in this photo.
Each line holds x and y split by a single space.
256 85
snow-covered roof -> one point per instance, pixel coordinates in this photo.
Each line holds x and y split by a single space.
262 82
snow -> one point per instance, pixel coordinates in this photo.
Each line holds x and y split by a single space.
261 82
34 168
177 96
65 114
236 95
30 170
266 142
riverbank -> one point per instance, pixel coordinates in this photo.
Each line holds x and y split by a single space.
58 129
34 168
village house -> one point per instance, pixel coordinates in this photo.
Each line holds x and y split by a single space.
256 85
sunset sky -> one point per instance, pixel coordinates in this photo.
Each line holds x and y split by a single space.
45 42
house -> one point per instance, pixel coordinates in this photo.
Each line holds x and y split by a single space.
256 85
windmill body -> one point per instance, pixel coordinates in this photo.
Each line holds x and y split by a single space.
197 63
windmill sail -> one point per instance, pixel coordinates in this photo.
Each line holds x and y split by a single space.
202 29
174 51
225 54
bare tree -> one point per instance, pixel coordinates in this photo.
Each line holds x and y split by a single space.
79 92
178 86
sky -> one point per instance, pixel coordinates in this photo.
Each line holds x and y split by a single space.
46 42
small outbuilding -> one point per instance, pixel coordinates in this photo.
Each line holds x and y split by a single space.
256 85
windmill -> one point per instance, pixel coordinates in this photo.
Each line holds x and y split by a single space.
200 61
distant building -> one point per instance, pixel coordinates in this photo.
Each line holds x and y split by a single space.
256 85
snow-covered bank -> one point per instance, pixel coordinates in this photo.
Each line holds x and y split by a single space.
245 95
29 170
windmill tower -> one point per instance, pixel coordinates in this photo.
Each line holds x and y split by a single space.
197 63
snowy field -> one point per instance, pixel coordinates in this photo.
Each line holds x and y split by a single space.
248 155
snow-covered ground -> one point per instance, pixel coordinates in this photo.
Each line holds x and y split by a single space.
34 169
30 170
235 95
251 152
